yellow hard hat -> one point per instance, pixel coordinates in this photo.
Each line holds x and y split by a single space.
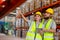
38 13
50 10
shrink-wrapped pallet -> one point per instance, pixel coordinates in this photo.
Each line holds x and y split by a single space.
24 32
55 16
55 13
18 32
32 17
37 3
27 6
24 8
22 22
45 2
54 1
17 23
32 5
6 19
59 14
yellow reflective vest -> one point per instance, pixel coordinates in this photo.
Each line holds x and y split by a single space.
31 32
48 35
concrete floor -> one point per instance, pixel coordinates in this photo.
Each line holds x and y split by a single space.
4 37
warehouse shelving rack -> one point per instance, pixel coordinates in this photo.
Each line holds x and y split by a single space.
42 9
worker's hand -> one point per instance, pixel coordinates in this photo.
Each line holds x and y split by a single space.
19 14
40 31
49 30
45 30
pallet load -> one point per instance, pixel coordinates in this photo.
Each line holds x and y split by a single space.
37 3
32 5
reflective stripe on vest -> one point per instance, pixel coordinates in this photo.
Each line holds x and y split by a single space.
48 35
31 32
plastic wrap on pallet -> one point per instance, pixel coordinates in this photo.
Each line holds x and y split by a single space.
43 2
50 1
17 24
24 9
24 32
6 18
56 36
55 12
54 1
32 5
59 10
55 16
22 22
32 17
59 13
58 16
17 33
27 6
37 3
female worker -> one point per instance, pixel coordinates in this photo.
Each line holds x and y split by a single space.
34 32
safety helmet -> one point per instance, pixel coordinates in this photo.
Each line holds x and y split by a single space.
38 13
50 10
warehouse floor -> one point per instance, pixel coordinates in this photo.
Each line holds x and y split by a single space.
4 37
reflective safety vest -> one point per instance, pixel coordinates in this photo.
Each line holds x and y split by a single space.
48 35
31 32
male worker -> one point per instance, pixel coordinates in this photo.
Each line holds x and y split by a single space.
35 26
49 25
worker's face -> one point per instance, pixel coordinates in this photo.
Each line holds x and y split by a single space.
46 15
37 17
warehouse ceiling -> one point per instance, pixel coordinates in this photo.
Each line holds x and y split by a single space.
7 6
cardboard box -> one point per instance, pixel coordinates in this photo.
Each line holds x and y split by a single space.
27 6
24 32
37 3
32 5
45 2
